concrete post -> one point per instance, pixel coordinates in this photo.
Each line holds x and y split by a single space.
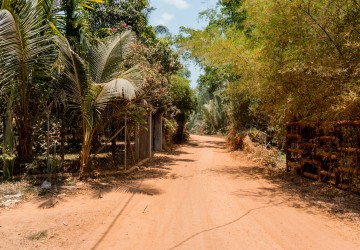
158 133
150 129
145 139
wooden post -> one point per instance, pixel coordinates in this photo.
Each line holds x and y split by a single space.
150 135
163 132
137 140
133 161
125 142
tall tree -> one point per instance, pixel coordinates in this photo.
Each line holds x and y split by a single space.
89 93
117 16
291 59
25 50
76 23
185 102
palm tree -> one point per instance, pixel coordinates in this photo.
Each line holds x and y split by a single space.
91 84
25 51
76 23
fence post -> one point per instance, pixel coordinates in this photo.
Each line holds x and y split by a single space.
150 135
125 160
137 142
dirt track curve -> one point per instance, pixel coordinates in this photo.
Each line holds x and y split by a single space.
203 200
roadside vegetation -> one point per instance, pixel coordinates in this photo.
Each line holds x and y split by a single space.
73 71
70 73
271 62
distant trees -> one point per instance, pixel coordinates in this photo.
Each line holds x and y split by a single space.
185 103
210 116
116 16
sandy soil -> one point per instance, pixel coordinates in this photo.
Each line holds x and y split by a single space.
199 197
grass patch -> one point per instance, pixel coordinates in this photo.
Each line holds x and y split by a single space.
38 235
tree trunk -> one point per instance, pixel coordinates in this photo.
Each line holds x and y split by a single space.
113 142
25 151
84 157
85 151
62 139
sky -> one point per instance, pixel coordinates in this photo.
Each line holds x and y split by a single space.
176 13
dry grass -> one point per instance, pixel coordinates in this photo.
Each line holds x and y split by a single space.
38 235
9 188
260 154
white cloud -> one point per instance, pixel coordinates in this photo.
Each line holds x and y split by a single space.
163 19
166 16
180 4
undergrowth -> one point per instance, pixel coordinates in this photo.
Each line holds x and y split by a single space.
261 154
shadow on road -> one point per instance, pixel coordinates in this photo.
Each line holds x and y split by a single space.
207 144
159 167
155 168
291 187
115 219
215 144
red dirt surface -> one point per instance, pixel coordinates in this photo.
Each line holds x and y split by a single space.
199 197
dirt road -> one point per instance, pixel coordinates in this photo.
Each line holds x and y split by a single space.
198 198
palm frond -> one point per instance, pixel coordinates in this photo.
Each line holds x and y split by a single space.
75 76
8 48
162 30
22 48
134 75
105 58
127 86
5 80
119 88
52 14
